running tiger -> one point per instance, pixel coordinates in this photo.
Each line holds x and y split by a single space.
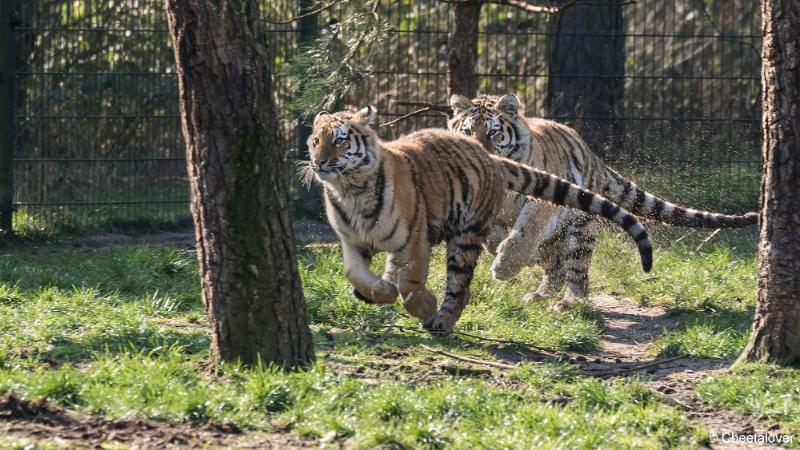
562 240
405 195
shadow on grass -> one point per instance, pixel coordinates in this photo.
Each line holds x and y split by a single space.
73 351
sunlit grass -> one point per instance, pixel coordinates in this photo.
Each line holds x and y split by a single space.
122 333
766 391
711 290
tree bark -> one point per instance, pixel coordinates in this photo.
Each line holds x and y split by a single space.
310 197
463 49
249 277
776 330
586 64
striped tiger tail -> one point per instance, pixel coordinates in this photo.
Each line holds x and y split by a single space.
644 204
542 185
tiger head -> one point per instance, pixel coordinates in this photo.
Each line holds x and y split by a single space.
342 145
496 122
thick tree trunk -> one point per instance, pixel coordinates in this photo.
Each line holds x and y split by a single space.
586 63
463 53
776 330
250 283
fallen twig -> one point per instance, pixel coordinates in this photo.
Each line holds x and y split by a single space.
468 359
636 368
710 236
689 233
674 401
549 352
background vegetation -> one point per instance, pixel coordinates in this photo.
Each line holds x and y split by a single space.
98 138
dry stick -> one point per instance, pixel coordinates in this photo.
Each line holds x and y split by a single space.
688 233
443 109
438 108
593 3
638 367
526 6
552 353
399 119
301 16
710 236
674 401
469 360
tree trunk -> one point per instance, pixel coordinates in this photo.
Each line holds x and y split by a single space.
250 283
586 63
463 53
776 330
310 196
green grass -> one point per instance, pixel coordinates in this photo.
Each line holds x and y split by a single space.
767 391
122 333
711 291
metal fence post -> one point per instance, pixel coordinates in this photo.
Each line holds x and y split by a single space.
307 27
7 75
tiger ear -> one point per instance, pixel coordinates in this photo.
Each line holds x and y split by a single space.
367 115
320 115
459 103
508 104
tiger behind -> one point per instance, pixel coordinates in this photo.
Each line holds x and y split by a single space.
405 195
561 240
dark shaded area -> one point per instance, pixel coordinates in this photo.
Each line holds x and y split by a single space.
41 421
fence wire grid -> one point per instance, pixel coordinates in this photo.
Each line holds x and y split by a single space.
98 138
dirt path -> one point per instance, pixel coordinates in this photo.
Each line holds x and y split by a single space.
629 329
39 421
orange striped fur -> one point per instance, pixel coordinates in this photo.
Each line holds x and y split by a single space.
434 185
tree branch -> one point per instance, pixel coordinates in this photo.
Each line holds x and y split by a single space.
469 360
441 109
438 108
401 118
527 6
304 15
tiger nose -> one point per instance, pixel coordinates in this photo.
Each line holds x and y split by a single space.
319 162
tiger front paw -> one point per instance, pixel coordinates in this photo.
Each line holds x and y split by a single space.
362 297
420 304
439 324
381 292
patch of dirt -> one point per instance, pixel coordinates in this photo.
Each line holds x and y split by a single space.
40 421
628 331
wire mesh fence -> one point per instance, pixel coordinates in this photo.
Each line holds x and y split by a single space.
98 140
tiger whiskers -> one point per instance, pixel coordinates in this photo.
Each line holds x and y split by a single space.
305 171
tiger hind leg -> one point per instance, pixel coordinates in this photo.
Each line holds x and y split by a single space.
580 239
553 278
462 256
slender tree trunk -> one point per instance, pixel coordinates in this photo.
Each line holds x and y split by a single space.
310 201
250 283
776 330
463 53
586 63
